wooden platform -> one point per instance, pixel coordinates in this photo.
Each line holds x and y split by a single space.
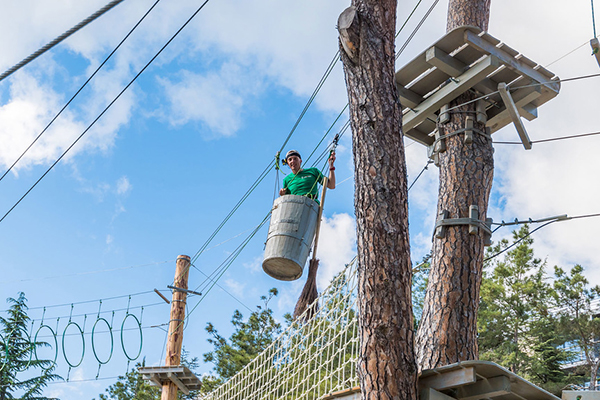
468 58
179 375
474 380
469 380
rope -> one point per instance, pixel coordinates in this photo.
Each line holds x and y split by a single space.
80 89
312 97
414 32
308 360
555 138
61 38
593 19
420 173
540 227
105 109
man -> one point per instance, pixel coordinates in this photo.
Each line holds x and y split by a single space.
303 182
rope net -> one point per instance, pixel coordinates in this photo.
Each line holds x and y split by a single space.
310 359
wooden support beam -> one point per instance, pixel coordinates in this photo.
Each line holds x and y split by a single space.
485 389
432 394
450 92
408 98
444 62
154 379
514 115
419 136
523 98
450 379
173 378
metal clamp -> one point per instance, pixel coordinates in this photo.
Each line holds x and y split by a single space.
439 144
473 221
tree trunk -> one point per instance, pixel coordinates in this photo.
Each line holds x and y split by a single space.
386 362
448 329
594 374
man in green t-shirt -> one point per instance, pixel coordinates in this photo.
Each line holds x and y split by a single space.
303 182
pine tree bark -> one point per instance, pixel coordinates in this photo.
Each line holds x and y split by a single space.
448 328
386 364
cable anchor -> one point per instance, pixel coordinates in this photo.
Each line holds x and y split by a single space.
473 222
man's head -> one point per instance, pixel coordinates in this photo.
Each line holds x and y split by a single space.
294 160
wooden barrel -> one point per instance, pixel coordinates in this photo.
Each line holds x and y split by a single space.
291 232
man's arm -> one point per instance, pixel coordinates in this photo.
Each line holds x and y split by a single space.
331 179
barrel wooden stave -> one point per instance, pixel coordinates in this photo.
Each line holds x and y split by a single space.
291 232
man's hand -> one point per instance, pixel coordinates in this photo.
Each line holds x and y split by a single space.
331 159
283 191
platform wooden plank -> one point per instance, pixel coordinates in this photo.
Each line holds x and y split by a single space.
505 75
432 394
549 74
485 388
507 49
437 76
508 60
526 61
180 375
408 98
487 371
412 70
449 379
418 65
442 61
428 83
468 55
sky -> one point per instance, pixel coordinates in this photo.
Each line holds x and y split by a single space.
156 175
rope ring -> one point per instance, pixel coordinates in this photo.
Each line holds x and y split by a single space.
82 342
112 341
30 346
53 363
141 337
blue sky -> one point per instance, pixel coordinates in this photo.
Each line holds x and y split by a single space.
159 172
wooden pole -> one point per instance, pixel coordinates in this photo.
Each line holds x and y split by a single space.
175 340
320 214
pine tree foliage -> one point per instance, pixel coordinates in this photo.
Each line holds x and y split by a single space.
17 358
515 325
248 340
579 318
132 386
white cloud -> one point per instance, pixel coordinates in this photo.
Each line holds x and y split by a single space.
337 246
255 265
236 288
109 239
123 186
217 98
23 117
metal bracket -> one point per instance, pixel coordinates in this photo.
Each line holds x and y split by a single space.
469 130
481 113
444 114
183 290
439 144
473 221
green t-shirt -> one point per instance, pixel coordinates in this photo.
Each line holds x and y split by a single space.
304 182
